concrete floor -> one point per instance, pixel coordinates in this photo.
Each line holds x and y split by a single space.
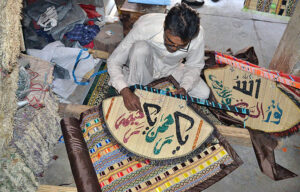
226 26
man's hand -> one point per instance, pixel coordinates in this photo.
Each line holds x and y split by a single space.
131 100
180 91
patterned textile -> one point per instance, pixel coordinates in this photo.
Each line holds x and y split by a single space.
278 7
14 173
83 33
99 89
118 170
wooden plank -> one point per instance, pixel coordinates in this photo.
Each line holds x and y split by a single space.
98 53
22 43
142 8
287 54
52 188
233 131
130 13
72 110
234 135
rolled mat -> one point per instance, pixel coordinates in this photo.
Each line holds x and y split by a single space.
81 164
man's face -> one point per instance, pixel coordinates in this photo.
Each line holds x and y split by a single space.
173 43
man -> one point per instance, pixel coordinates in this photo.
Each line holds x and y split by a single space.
196 3
155 48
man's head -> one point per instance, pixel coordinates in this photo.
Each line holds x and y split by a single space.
180 27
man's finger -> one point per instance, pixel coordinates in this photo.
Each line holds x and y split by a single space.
128 107
140 107
136 106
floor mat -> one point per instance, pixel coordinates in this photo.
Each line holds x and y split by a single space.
99 88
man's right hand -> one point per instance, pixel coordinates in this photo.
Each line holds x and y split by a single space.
131 100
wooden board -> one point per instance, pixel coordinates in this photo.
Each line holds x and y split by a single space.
166 129
130 13
52 188
271 110
287 54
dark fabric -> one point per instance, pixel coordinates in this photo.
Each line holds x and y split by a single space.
83 33
80 161
247 54
264 146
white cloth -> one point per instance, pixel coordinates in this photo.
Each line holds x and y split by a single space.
65 57
149 28
140 70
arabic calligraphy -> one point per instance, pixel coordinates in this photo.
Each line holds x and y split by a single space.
146 107
178 114
151 135
244 89
163 125
132 122
167 140
221 90
254 111
275 113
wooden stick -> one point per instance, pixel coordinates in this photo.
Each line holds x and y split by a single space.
233 131
287 54
52 188
234 135
203 102
99 54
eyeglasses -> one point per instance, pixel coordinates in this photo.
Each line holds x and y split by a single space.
178 47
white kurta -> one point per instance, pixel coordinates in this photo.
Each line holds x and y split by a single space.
149 29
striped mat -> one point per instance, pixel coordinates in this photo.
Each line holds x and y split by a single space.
277 7
120 171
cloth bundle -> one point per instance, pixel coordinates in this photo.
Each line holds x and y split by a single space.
83 33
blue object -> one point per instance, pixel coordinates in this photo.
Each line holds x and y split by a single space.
152 2
83 33
99 145
42 33
92 150
61 139
75 66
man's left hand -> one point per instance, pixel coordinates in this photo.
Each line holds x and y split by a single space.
180 91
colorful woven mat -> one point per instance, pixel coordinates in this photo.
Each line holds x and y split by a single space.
120 171
99 89
277 7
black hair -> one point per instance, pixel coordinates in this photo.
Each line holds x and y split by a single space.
183 21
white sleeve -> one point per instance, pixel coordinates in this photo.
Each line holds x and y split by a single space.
194 63
119 57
